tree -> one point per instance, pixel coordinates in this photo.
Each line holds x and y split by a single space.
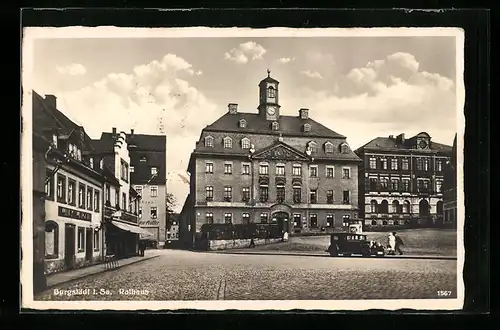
170 203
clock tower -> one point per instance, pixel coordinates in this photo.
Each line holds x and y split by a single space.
269 98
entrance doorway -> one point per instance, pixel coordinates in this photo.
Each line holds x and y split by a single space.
424 211
282 220
89 247
69 246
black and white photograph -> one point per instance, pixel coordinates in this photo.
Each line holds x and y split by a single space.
248 169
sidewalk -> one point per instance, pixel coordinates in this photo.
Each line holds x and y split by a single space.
76 274
324 254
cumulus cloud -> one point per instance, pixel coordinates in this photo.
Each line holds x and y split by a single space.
73 69
152 98
312 74
245 52
285 60
387 96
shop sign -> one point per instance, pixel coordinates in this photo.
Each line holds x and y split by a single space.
150 223
74 214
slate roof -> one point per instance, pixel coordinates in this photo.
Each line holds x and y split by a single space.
392 144
147 142
257 124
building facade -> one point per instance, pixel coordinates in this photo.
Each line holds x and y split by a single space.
401 181
121 202
270 168
73 191
450 189
148 177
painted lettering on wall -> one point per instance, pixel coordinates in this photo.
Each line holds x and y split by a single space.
149 223
74 214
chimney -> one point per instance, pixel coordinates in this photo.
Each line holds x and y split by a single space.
391 137
232 108
400 138
304 113
132 132
51 100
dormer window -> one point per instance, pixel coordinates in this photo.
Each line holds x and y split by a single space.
344 148
228 142
245 143
312 146
91 162
101 164
275 126
243 123
79 154
54 140
209 142
328 147
307 127
143 159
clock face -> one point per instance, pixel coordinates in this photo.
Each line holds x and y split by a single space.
271 110
422 144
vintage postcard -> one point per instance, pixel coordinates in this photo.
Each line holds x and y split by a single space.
249 169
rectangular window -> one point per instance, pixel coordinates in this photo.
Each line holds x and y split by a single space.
117 197
139 190
245 218
439 184
71 192
246 194
153 212
280 169
313 171
264 217
228 168
297 195
245 170
209 193
297 170
124 170
81 239
373 163
280 194
228 194
330 221
124 201
314 221
153 191
154 171
395 184
383 163
346 173
96 240
329 196
384 183
61 188
313 197
345 220
373 184
81 196
49 185
263 194
330 172
90 198
264 169
405 164
140 212
439 165
228 218
346 197
394 164
406 185
97 199
209 217
426 164
297 222
209 168
419 164
132 169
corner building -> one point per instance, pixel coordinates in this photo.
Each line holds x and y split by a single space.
401 181
269 168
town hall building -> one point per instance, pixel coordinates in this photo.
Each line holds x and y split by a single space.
270 168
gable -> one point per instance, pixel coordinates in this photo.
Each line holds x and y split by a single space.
280 151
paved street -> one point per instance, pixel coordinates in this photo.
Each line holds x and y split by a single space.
184 275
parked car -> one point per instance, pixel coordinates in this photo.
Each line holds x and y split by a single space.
351 244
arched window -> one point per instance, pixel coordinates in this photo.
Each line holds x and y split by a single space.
243 123
307 127
329 147
245 143
312 146
209 142
439 208
374 222
275 126
406 207
373 206
51 240
395 207
228 142
384 207
396 223
384 222
344 148
271 92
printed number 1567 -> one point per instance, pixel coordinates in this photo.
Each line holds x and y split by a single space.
441 293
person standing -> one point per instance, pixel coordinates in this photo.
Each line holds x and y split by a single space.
399 242
392 244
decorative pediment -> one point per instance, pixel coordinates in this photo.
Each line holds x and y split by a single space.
280 151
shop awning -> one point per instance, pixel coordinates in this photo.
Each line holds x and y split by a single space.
130 228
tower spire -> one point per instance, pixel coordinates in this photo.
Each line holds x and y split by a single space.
268 73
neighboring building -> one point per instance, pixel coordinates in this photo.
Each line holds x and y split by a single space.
270 168
173 229
73 189
148 177
450 189
401 181
121 204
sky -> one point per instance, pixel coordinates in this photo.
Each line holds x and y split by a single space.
359 87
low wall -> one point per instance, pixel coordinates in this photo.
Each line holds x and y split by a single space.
215 245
